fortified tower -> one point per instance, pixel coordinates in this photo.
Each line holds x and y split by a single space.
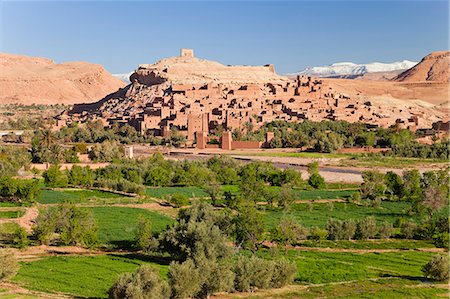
187 53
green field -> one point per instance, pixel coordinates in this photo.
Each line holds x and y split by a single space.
379 289
311 155
85 276
73 196
162 192
321 212
91 276
117 225
326 267
12 214
370 244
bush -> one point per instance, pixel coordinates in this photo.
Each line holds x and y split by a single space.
441 240
317 234
288 232
340 230
178 200
8 265
283 273
144 234
316 181
55 178
366 228
18 190
437 268
67 225
184 279
252 272
143 283
408 229
257 273
20 238
386 230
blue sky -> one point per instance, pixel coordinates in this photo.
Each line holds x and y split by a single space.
292 35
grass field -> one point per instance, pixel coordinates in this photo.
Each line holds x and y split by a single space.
321 212
84 276
370 244
385 161
326 267
91 276
72 196
162 192
117 225
12 214
380 289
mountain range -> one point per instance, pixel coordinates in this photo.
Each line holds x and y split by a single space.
352 70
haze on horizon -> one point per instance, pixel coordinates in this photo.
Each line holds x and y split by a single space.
292 35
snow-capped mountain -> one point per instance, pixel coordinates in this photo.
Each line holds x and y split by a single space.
125 77
353 69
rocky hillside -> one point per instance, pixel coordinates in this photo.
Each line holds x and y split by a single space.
32 80
433 67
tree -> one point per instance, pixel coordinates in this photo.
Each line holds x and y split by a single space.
408 229
249 228
413 190
288 232
433 200
106 151
394 185
285 197
373 185
437 268
197 229
184 279
213 189
386 230
81 176
144 283
72 225
316 181
143 234
366 228
8 264
20 238
55 178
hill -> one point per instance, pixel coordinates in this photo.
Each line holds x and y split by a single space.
33 80
433 67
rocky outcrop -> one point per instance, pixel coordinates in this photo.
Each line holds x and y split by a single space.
187 69
433 67
32 80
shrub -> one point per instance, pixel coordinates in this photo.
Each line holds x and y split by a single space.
366 228
348 229
437 268
257 273
143 283
313 167
143 235
252 272
316 181
386 230
334 229
288 232
249 228
68 224
55 178
441 240
285 197
283 273
408 229
317 234
8 265
20 238
184 279
178 200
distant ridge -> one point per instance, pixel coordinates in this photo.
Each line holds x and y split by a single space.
352 70
433 67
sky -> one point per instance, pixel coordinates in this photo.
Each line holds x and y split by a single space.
292 35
